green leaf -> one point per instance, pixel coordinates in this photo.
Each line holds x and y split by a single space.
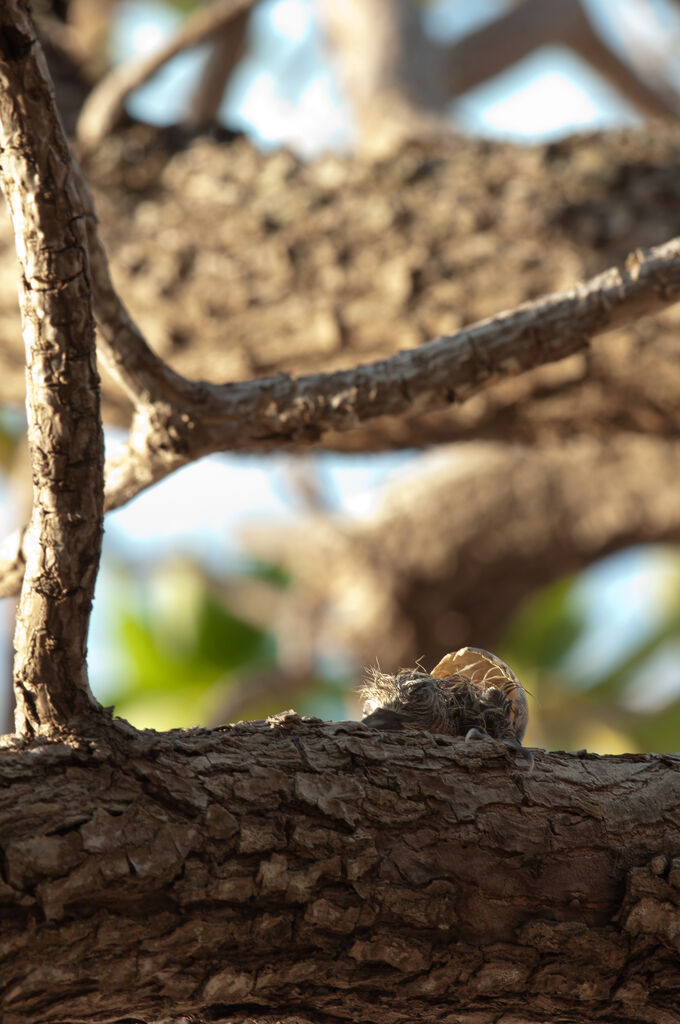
227 641
545 627
659 731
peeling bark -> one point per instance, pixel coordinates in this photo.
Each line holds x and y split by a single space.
295 868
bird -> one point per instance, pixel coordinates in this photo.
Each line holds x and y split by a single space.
470 693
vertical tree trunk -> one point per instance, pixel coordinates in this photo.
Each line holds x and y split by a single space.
64 423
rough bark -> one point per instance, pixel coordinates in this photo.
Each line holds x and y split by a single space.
357 261
285 867
177 421
280 412
467 232
64 424
322 872
453 549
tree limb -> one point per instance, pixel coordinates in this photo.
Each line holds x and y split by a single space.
325 872
227 50
454 549
64 424
104 106
280 412
534 23
389 69
330 289
177 421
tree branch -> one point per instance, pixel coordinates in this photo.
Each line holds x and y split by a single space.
64 425
389 69
177 421
534 23
452 551
104 106
227 50
280 412
325 872
306 302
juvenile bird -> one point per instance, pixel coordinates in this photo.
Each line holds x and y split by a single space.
468 693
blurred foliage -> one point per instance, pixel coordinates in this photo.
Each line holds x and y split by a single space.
631 702
185 6
183 654
12 437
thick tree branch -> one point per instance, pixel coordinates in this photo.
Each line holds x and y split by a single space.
325 872
105 104
328 289
177 420
64 424
453 551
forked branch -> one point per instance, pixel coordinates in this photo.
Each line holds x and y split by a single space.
105 104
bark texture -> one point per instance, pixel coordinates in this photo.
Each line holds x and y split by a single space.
290 867
324 872
356 261
189 419
63 542
177 420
